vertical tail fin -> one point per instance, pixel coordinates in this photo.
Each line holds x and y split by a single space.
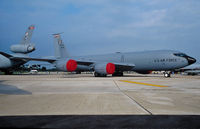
25 46
60 50
27 37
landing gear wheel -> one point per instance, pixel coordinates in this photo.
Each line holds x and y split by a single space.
96 74
78 72
167 74
117 74
99 75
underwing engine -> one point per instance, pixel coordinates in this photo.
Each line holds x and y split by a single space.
102 69
69 65
22 48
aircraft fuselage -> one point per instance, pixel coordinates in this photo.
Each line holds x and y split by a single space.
144 61
7 63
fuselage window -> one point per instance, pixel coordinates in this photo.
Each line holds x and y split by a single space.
180 54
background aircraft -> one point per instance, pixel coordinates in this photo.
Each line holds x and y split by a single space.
102 65
8 62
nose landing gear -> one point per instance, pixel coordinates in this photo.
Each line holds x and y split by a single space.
167 74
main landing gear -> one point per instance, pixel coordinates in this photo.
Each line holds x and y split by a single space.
99 75
117 74
78 72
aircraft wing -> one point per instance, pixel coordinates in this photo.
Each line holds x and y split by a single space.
118 66
80 62
5 54
124 66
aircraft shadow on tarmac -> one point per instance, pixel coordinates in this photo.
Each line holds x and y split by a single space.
90 75
12 90
141 76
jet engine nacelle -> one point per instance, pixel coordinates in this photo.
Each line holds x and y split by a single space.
83 68
69 65
104 68
21 48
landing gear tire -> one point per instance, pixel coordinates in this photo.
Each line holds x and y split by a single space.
117 74
78 72
167 75
99 75
96 74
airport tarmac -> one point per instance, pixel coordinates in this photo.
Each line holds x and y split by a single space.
83 94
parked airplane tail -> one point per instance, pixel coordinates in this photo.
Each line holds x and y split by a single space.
25 45
27 37
59 46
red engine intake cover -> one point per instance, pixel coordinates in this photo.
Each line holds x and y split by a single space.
71 65
110 68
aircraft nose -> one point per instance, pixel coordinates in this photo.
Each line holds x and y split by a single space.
190 60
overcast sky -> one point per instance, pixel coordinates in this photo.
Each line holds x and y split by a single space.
103 26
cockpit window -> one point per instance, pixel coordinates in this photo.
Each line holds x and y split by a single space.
180 54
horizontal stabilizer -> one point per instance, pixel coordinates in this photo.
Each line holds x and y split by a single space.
5 54
119 66
33 59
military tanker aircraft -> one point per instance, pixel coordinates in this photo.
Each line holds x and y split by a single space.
8 62
116 63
